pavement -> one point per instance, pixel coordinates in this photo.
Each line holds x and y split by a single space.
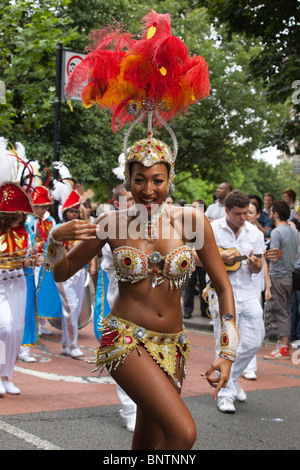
63 405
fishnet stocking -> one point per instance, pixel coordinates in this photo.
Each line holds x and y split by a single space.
163 420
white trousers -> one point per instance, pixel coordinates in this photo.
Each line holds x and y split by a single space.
13 293
71 293
250 324
128 410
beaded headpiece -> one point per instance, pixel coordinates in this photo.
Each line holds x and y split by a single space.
152 77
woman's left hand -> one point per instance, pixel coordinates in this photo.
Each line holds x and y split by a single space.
223 366
75 230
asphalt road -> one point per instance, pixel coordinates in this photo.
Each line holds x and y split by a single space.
64 406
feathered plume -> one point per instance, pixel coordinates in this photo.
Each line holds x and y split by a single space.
64 184
13 164
121 73
119 171
8 164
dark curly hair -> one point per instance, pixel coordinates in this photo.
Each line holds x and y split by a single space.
7 219
236 198
282 209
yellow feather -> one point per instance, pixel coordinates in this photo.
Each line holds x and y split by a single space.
151 32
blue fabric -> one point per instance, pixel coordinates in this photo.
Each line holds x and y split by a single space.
101 305
48 299
30 336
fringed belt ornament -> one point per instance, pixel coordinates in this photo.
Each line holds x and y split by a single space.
119 337
230 339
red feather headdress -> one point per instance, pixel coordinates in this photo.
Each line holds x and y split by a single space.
152 76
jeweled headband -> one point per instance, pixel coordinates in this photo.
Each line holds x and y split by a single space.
151 78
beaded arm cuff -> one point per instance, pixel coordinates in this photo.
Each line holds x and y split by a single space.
229 339
55 254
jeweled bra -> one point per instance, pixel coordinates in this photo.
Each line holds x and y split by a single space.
132 265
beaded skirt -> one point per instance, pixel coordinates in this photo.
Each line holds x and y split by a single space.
119 337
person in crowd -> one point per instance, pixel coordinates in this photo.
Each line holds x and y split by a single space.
38 226
269 198
289 196
197 278
107 291
285 238
181 202
217 209
89 210
15 258
263 285
71 291
169 199
263 223
234 234
295 296
42 223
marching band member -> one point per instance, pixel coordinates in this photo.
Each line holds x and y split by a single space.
15 256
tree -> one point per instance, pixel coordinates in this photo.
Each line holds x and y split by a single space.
219 136
276 25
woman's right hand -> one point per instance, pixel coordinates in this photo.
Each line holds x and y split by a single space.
75 230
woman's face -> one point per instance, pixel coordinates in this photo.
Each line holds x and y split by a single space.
253 215
40 210
149 185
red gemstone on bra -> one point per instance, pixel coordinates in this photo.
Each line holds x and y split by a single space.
127 261
128 340
138 148
158 148
184 263
161 355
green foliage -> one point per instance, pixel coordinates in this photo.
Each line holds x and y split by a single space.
216 140
276 25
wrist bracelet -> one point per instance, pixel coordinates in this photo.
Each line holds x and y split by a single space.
230 339
55 242
56 252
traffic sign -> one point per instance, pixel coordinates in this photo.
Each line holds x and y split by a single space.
69 60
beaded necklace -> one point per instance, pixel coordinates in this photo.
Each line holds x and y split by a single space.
150 222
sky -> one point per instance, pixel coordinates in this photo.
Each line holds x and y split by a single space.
269 155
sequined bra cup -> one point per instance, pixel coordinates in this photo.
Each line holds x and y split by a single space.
132 265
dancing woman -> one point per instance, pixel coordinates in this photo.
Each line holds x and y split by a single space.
143 343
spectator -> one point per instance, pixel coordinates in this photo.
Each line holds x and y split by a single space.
286 239
289 196
217 209
295 297
268 201
263 223
233 232
169 199
197 277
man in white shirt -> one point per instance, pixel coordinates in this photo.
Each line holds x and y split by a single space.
217 210
232 233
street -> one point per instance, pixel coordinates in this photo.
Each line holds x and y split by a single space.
64 406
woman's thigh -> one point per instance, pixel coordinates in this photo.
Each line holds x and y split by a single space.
163 420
